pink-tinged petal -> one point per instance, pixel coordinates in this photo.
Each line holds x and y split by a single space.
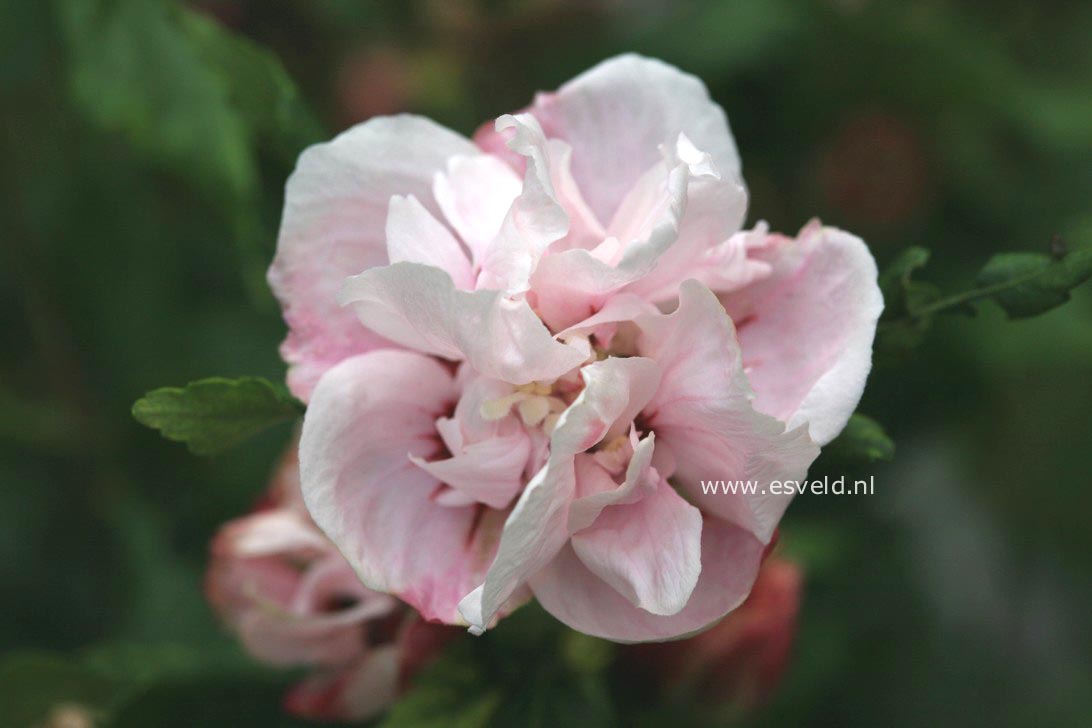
649 551
702 413
714 211
614 390
807 329
603 324
356 693
333 226
730 557
489 472
329 591
415 236
617 114
536 218
677 210
419 307
597 490
475 194
532 535
267 533
728 266
585 230
367 415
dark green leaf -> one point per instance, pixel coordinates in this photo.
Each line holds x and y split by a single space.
1028 284
901 294
454 691
211 415
100 681
863 439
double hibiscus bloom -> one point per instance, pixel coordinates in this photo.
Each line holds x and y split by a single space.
522 354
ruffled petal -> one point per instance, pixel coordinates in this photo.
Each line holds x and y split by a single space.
333 226
567 589
489 472
807 328
367 415
534 221
419 307
617 114
415 236
615 389
475 194
649 550
702 413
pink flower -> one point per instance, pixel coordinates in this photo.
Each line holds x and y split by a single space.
293 600
523 356
741 660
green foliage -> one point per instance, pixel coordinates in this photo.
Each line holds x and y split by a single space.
1028 284
192 98
863 439
527 671
212 415
1023 284
142 141
110 683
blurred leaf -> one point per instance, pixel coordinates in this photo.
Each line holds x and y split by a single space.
529 670
862 439
454 691
32 684
258 88
210 702
103 680
191 97
135 71
900 293
211 415
1028 284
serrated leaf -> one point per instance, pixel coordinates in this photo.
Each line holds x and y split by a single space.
863 439
212 415
1029 284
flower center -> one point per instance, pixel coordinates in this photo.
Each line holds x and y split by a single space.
536 404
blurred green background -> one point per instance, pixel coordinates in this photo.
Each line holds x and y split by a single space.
144 149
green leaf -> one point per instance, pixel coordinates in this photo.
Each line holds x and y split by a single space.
863 439
211 415
192 98
454 691
101 681
1028 284
902 294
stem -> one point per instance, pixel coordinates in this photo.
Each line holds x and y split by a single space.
972 295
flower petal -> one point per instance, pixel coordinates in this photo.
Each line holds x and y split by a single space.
538 526
489 472
702 413
730 557
415 236
333 226
419 307
475 194
536 218
649 551
617 114
366 416
807 329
